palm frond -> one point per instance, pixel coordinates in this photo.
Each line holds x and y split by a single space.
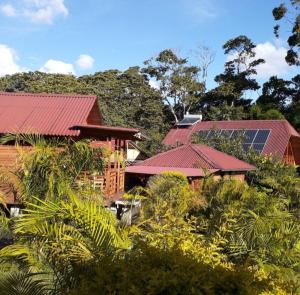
24 284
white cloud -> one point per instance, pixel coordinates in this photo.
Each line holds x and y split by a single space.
57 67
274 55
85 62
37 11
8 10
9 61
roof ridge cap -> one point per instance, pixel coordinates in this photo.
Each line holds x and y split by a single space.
165 152
47 94
206 158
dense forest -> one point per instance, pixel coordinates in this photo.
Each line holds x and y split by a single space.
229 237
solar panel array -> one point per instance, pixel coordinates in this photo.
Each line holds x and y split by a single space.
188 121
251 138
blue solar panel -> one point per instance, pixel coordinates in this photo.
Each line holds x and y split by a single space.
251 138
258 147
249 135
226 133
261 136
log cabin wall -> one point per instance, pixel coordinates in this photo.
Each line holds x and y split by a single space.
94 117
288 157
9 155
110 181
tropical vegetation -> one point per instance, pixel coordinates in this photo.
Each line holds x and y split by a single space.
229 237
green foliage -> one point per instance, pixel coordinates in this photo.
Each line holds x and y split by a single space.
279 100
238 239
21 283
38 82
164 192
284 11
239 71
258 224
257 228
127 99
64 237
149 270
51 166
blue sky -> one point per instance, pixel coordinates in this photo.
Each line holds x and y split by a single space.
94 35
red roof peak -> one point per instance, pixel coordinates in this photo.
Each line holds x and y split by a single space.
44 113
196 156
46 94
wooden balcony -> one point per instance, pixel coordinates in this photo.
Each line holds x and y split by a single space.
111 181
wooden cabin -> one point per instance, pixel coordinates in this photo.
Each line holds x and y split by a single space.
267 137
195 161
59 115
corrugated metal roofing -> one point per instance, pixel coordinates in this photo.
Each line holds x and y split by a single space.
153 170
194 156
281 132
46 114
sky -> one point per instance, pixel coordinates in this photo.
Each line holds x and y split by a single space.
83 37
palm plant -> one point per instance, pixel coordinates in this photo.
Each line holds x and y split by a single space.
49 168
64 237
22 283
257 228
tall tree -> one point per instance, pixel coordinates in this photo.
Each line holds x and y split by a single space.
227 100
290 11
127 99
282 96
239 70
276 94
178 81
43 82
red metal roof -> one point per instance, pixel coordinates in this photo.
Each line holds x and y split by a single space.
281 132
191 156
46 114
153 170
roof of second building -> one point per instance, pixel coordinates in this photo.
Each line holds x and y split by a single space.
194 156
280 132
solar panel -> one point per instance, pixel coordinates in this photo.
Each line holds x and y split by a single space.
226 133
258 147
261 136
251 138
249 135
203 133
189 120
